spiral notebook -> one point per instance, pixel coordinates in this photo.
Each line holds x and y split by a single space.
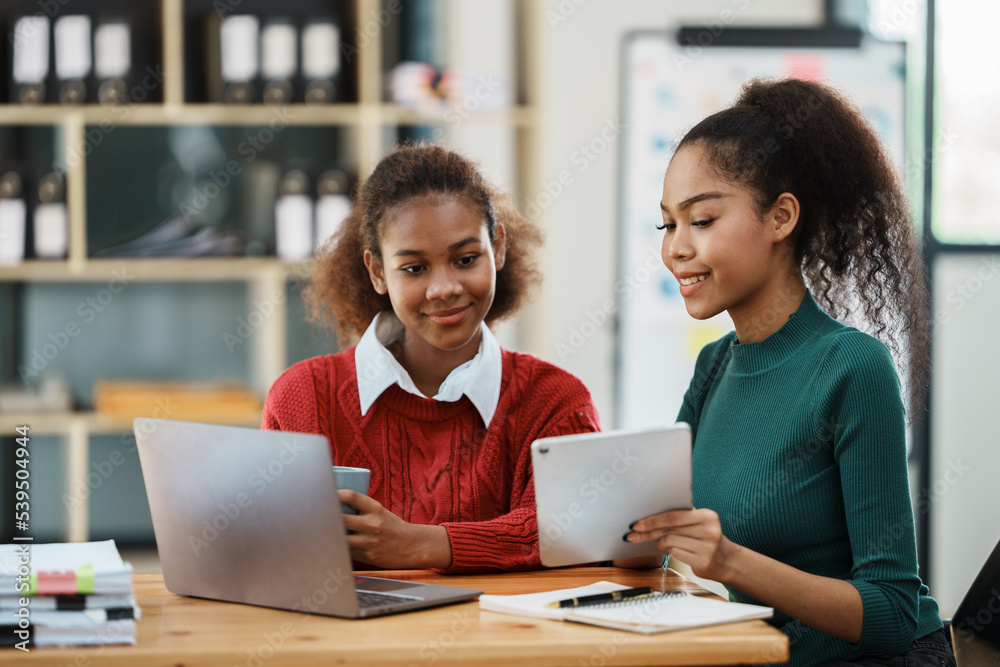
660 613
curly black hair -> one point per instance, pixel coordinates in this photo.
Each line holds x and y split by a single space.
341 294
855 242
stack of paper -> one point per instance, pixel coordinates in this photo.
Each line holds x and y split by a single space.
66 594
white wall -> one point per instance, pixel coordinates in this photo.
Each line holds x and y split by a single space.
964 494
582 53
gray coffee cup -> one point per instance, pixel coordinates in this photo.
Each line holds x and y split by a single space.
351 478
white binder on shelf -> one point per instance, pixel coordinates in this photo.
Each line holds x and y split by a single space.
74 62
293 218
112 60
31 58
234 58
51 224
320 61
279 61
12 219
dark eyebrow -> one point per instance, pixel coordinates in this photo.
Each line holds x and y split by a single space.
687 203
453 246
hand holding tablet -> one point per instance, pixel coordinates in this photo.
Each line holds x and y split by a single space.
590 487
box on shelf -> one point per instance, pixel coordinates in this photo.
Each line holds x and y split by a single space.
183 400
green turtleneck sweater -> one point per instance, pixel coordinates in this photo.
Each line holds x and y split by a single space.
800 447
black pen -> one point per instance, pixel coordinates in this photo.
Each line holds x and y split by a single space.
613 596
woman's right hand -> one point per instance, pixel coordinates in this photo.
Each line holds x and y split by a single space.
387 541
694 536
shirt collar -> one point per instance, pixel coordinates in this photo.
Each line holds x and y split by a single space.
377 369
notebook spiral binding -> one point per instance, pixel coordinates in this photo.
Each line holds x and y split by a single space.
635 602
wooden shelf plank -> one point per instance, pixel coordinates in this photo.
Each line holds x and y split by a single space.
151 270
187 114
92 423
400 115
173 50
292 114
77 455
369 52
76 188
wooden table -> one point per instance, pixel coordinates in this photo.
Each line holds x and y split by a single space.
188 631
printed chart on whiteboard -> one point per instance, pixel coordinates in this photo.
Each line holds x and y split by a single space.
668 87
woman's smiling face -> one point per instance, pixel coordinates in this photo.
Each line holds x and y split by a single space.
439 269
715 242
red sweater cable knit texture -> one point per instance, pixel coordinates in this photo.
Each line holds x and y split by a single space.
434 462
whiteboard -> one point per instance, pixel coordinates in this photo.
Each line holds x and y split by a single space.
667 88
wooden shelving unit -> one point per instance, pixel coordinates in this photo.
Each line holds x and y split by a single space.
188 114
153 270
367 120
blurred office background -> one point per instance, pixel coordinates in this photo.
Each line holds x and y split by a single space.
181 182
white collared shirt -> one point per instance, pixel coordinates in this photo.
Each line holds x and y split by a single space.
377 370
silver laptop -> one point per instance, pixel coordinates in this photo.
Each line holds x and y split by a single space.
590 487
252 516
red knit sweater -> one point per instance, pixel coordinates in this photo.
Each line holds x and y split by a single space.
434 462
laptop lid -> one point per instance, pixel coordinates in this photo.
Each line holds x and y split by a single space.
590 487
252 516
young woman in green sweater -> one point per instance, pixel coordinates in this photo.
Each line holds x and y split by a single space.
785 211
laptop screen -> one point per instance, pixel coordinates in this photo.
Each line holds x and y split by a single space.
979 613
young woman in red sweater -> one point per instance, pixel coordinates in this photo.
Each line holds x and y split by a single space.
427 400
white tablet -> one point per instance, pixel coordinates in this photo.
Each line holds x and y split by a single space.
590 487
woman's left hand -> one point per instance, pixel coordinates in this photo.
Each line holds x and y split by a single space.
692 536
383 539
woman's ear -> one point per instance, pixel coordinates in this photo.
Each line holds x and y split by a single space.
376 272
783 216
499 245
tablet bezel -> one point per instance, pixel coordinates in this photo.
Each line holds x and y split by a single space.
590 487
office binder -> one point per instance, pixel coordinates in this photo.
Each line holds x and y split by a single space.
332 204
112 60
71 35
293 218
278 60
233 52
51 224
31 59
321 61
12 219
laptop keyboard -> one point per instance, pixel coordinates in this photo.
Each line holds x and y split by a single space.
372 600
